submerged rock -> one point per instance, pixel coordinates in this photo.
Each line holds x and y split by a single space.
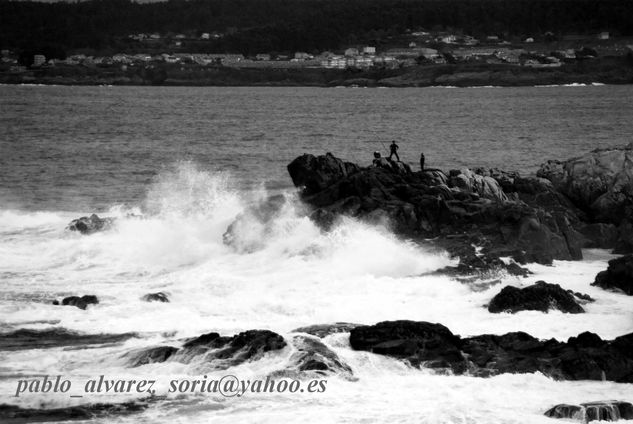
611 410
156 297
422 344
323 330
80 302
540 296
55 337
619 275
313 358
150 355
90 224
219 352
13 414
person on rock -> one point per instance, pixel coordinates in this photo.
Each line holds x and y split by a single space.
393 149
422 159
376 160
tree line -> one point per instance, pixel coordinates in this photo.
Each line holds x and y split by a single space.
256 26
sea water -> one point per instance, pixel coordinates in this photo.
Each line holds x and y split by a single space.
176 166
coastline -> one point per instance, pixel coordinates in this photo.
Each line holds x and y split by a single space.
612 72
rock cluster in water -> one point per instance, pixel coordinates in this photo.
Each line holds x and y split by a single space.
585 357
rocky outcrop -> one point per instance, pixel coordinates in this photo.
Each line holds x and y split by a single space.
317 173
540 296
600 182
80 302
612 410
619 275
90 224
156 297
465 209
422 344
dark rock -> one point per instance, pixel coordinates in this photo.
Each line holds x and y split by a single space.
150 355
89 225
586 357
603 410
323 330
223 352
540 296
156 297
55 337
619 275
317 173
13 414
419 343
80 302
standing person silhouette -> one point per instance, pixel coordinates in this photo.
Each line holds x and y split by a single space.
393 149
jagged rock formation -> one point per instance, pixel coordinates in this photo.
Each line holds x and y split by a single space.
580 203
462 210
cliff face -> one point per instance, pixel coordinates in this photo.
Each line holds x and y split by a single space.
570 205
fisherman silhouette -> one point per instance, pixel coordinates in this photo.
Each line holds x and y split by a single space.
393 149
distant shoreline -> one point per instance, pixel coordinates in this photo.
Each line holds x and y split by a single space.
609 71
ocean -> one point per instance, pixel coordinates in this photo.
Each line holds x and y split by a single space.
177 165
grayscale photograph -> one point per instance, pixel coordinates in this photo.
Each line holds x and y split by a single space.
316 211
